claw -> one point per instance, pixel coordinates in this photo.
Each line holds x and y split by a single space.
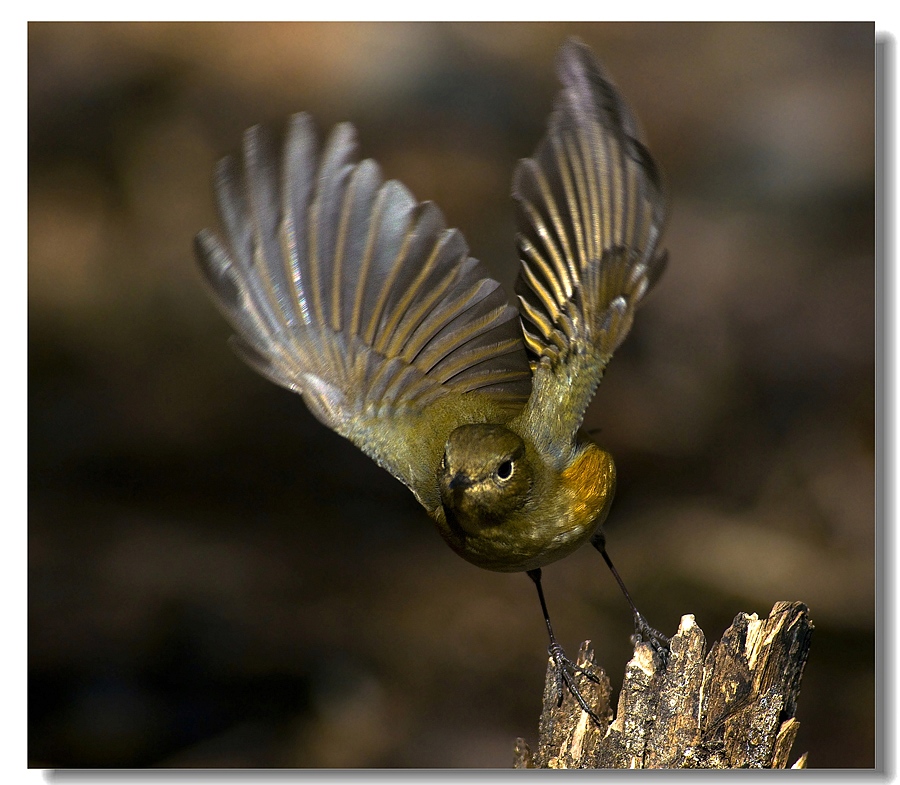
564 671
658 642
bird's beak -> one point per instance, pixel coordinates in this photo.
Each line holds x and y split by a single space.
459 480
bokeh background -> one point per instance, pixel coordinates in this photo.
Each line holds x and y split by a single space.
217 580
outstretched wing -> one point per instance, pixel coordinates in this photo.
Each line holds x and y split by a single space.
590 210
343 288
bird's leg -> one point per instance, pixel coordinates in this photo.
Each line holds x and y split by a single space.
564 669
642 630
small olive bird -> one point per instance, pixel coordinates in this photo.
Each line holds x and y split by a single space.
346 290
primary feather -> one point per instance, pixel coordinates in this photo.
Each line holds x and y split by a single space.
591 209
345 289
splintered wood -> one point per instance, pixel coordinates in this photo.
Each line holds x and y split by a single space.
731 707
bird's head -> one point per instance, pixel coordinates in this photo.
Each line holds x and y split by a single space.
484 475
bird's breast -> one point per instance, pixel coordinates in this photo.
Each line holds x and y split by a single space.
565 510
588 485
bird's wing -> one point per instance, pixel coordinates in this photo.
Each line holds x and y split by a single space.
590 211
345 289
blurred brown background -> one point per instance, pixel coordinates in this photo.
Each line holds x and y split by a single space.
217 580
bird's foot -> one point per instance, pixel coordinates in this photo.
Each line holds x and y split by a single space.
644 632
564 671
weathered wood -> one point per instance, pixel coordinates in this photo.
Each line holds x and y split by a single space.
730 707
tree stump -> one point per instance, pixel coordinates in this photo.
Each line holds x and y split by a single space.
732 707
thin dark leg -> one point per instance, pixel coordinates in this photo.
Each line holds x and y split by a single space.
642 630
564 669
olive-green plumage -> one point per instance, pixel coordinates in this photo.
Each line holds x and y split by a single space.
346 290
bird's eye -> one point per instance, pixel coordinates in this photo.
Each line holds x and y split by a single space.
505 470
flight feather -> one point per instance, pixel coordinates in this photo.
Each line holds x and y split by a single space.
346 290
590 208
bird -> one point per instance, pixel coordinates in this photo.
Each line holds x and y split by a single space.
340 286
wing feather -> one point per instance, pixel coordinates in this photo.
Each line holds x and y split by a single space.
591 210
343 288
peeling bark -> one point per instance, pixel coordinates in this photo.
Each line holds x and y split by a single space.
730 707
